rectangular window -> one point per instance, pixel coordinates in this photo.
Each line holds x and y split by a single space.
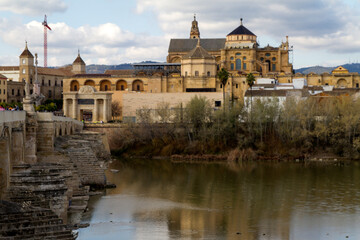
49 83
13 92
274 67
357 85
49 93
217 103
237 85
232 66
220 85
244 66
61 83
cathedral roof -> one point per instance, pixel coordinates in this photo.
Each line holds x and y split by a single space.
241 30
186 45
26 53
79 60
198 52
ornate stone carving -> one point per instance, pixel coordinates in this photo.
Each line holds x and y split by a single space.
87 90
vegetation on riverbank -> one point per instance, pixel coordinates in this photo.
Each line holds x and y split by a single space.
295 129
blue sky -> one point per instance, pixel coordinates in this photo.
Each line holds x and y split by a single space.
112 32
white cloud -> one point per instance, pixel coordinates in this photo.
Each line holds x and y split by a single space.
33 8
104 44
311 24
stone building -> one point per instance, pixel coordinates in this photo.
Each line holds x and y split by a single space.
88 104
50 79
191 68
239 52
3 88
15 91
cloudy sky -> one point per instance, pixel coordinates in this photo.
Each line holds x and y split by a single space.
322 32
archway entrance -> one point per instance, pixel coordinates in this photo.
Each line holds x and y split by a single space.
86 115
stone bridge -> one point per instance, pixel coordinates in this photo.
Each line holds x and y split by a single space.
23 135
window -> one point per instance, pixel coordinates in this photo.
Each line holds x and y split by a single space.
357 85
274 67
49 83
237 85
18 92
31 91
75 88
274 59
23 71
262 59
137 87
185 74
232 58
49 93
238 54
238 64
23 61
326 84
55 83
106 87
220 85
208 74
30 80
267 54
12 91
244 58
232 66
217 103
4 91
196 73
61 83
43 82
122 88
244 66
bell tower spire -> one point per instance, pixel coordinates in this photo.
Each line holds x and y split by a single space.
194 33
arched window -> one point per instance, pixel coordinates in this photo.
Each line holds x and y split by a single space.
74 85
121 85
238 64
89 82
105 85
138 85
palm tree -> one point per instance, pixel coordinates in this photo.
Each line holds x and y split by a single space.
223 76
250 80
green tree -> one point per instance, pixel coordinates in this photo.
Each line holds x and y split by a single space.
223 76
250 80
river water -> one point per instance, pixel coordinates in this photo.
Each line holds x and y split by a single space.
157 199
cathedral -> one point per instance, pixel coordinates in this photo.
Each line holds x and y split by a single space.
239 52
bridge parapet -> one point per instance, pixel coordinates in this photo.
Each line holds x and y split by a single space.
12 116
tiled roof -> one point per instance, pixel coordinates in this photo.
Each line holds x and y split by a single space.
186 45
79 60
26 53
199 53
2 77
120 72
91 75
9 68
54 71
241 30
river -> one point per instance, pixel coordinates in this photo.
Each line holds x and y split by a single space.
157 199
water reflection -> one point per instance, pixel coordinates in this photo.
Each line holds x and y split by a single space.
156 199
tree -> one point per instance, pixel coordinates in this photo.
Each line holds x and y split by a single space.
116 109
250 80
223 76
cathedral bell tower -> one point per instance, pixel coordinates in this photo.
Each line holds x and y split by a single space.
194 33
